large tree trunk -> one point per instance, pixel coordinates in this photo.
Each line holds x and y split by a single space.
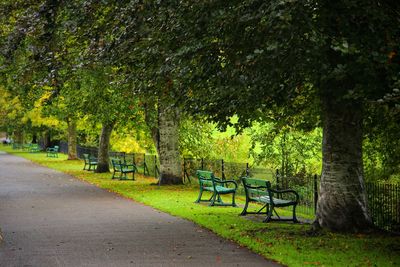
34 138
104 145
19 136
342 204
46 139
72 137
168 145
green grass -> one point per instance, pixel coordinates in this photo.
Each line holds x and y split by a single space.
287 243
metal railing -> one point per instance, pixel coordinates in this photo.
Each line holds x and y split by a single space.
384 205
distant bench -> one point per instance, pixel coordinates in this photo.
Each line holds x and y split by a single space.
90 161
52 152
33 148
123 168
260 191
218 187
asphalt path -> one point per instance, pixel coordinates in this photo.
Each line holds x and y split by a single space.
48 218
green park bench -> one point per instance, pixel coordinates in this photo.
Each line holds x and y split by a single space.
16 146
33 148
123 168
90 161
260 191
26 147
52 152
208 182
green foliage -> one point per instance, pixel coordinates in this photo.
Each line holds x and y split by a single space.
132 141
293 152
196 139
199 139
382 141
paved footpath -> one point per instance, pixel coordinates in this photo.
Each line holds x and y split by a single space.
48 218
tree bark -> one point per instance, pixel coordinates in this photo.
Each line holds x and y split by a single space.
342 204
168 145
34 138
46 139
104 145
72 137
19 136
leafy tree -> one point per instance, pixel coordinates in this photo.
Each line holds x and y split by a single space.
293 152
252 58
196 138
134 43
381 142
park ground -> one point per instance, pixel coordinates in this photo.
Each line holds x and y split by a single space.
287 243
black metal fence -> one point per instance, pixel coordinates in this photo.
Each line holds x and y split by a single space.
63 147
147 165
384 205
220 168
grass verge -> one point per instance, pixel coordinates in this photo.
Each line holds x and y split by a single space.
287 243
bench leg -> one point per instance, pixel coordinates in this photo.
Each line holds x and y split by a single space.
198 200
244 211
269 213
294 214
233 200
84 167
214 196
219 200
216 200
113 176
124 176
199 197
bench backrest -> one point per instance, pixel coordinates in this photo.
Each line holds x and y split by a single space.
256 187
117 164
206 178
86 158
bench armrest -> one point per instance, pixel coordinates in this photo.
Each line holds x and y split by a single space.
286 191
130 165
227 182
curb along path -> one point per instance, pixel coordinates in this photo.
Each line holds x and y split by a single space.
51 219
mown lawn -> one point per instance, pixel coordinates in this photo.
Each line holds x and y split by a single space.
287 243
